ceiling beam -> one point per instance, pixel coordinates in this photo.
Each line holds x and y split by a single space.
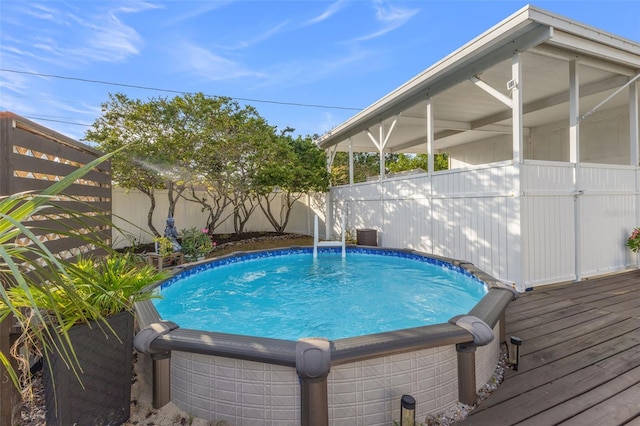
439 124
557 99
495 128
492 91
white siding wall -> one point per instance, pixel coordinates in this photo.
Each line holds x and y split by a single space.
469 214
604 138
490 150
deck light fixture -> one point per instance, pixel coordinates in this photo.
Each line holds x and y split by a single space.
514 351
407 411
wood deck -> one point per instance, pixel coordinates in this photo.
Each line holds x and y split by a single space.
580 357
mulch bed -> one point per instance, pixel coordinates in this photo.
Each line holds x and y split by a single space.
221 240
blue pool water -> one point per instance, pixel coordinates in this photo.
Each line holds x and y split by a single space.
293 296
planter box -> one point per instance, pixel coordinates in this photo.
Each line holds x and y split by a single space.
107 368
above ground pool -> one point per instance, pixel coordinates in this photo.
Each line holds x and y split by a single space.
279 338
291 295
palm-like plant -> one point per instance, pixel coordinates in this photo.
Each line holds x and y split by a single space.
105 286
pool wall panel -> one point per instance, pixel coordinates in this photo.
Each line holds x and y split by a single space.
238 391
360 393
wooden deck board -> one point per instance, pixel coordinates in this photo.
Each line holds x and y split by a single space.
541 320
547 397
575 406
616 410
546 308
580 359
564 335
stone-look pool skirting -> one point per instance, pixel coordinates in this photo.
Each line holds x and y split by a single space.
364 392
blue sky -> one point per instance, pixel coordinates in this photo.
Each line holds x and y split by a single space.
278 56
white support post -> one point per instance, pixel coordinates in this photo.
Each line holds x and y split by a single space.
331 156
430 166
634 122
574 111
516 106
350 161
574 157
634 141
381 143
381 151
430 135
517 145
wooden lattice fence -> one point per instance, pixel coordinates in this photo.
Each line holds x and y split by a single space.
33 157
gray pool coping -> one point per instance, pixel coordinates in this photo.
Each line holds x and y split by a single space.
283 352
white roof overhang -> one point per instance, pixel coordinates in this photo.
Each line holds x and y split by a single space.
464 113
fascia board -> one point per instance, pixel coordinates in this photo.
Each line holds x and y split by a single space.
588 47
475 57
583 31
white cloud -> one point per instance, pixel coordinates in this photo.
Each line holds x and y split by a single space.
390 17
40 11
105 38
330 11
197 60
76 35
257 38
303 72
194 11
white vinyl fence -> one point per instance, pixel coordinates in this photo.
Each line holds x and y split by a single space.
576 230
459 214
528 225
539 223
130 209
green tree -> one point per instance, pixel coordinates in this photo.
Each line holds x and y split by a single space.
154 162
406 162
195 146
367 165
292 168
225 155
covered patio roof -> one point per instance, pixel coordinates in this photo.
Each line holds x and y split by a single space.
470 90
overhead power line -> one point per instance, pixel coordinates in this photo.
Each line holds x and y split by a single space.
157 89
33 117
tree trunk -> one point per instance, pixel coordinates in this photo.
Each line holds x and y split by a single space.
150 214
174 193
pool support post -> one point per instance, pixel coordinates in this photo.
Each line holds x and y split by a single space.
313 360
161 360
161 379
482 335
